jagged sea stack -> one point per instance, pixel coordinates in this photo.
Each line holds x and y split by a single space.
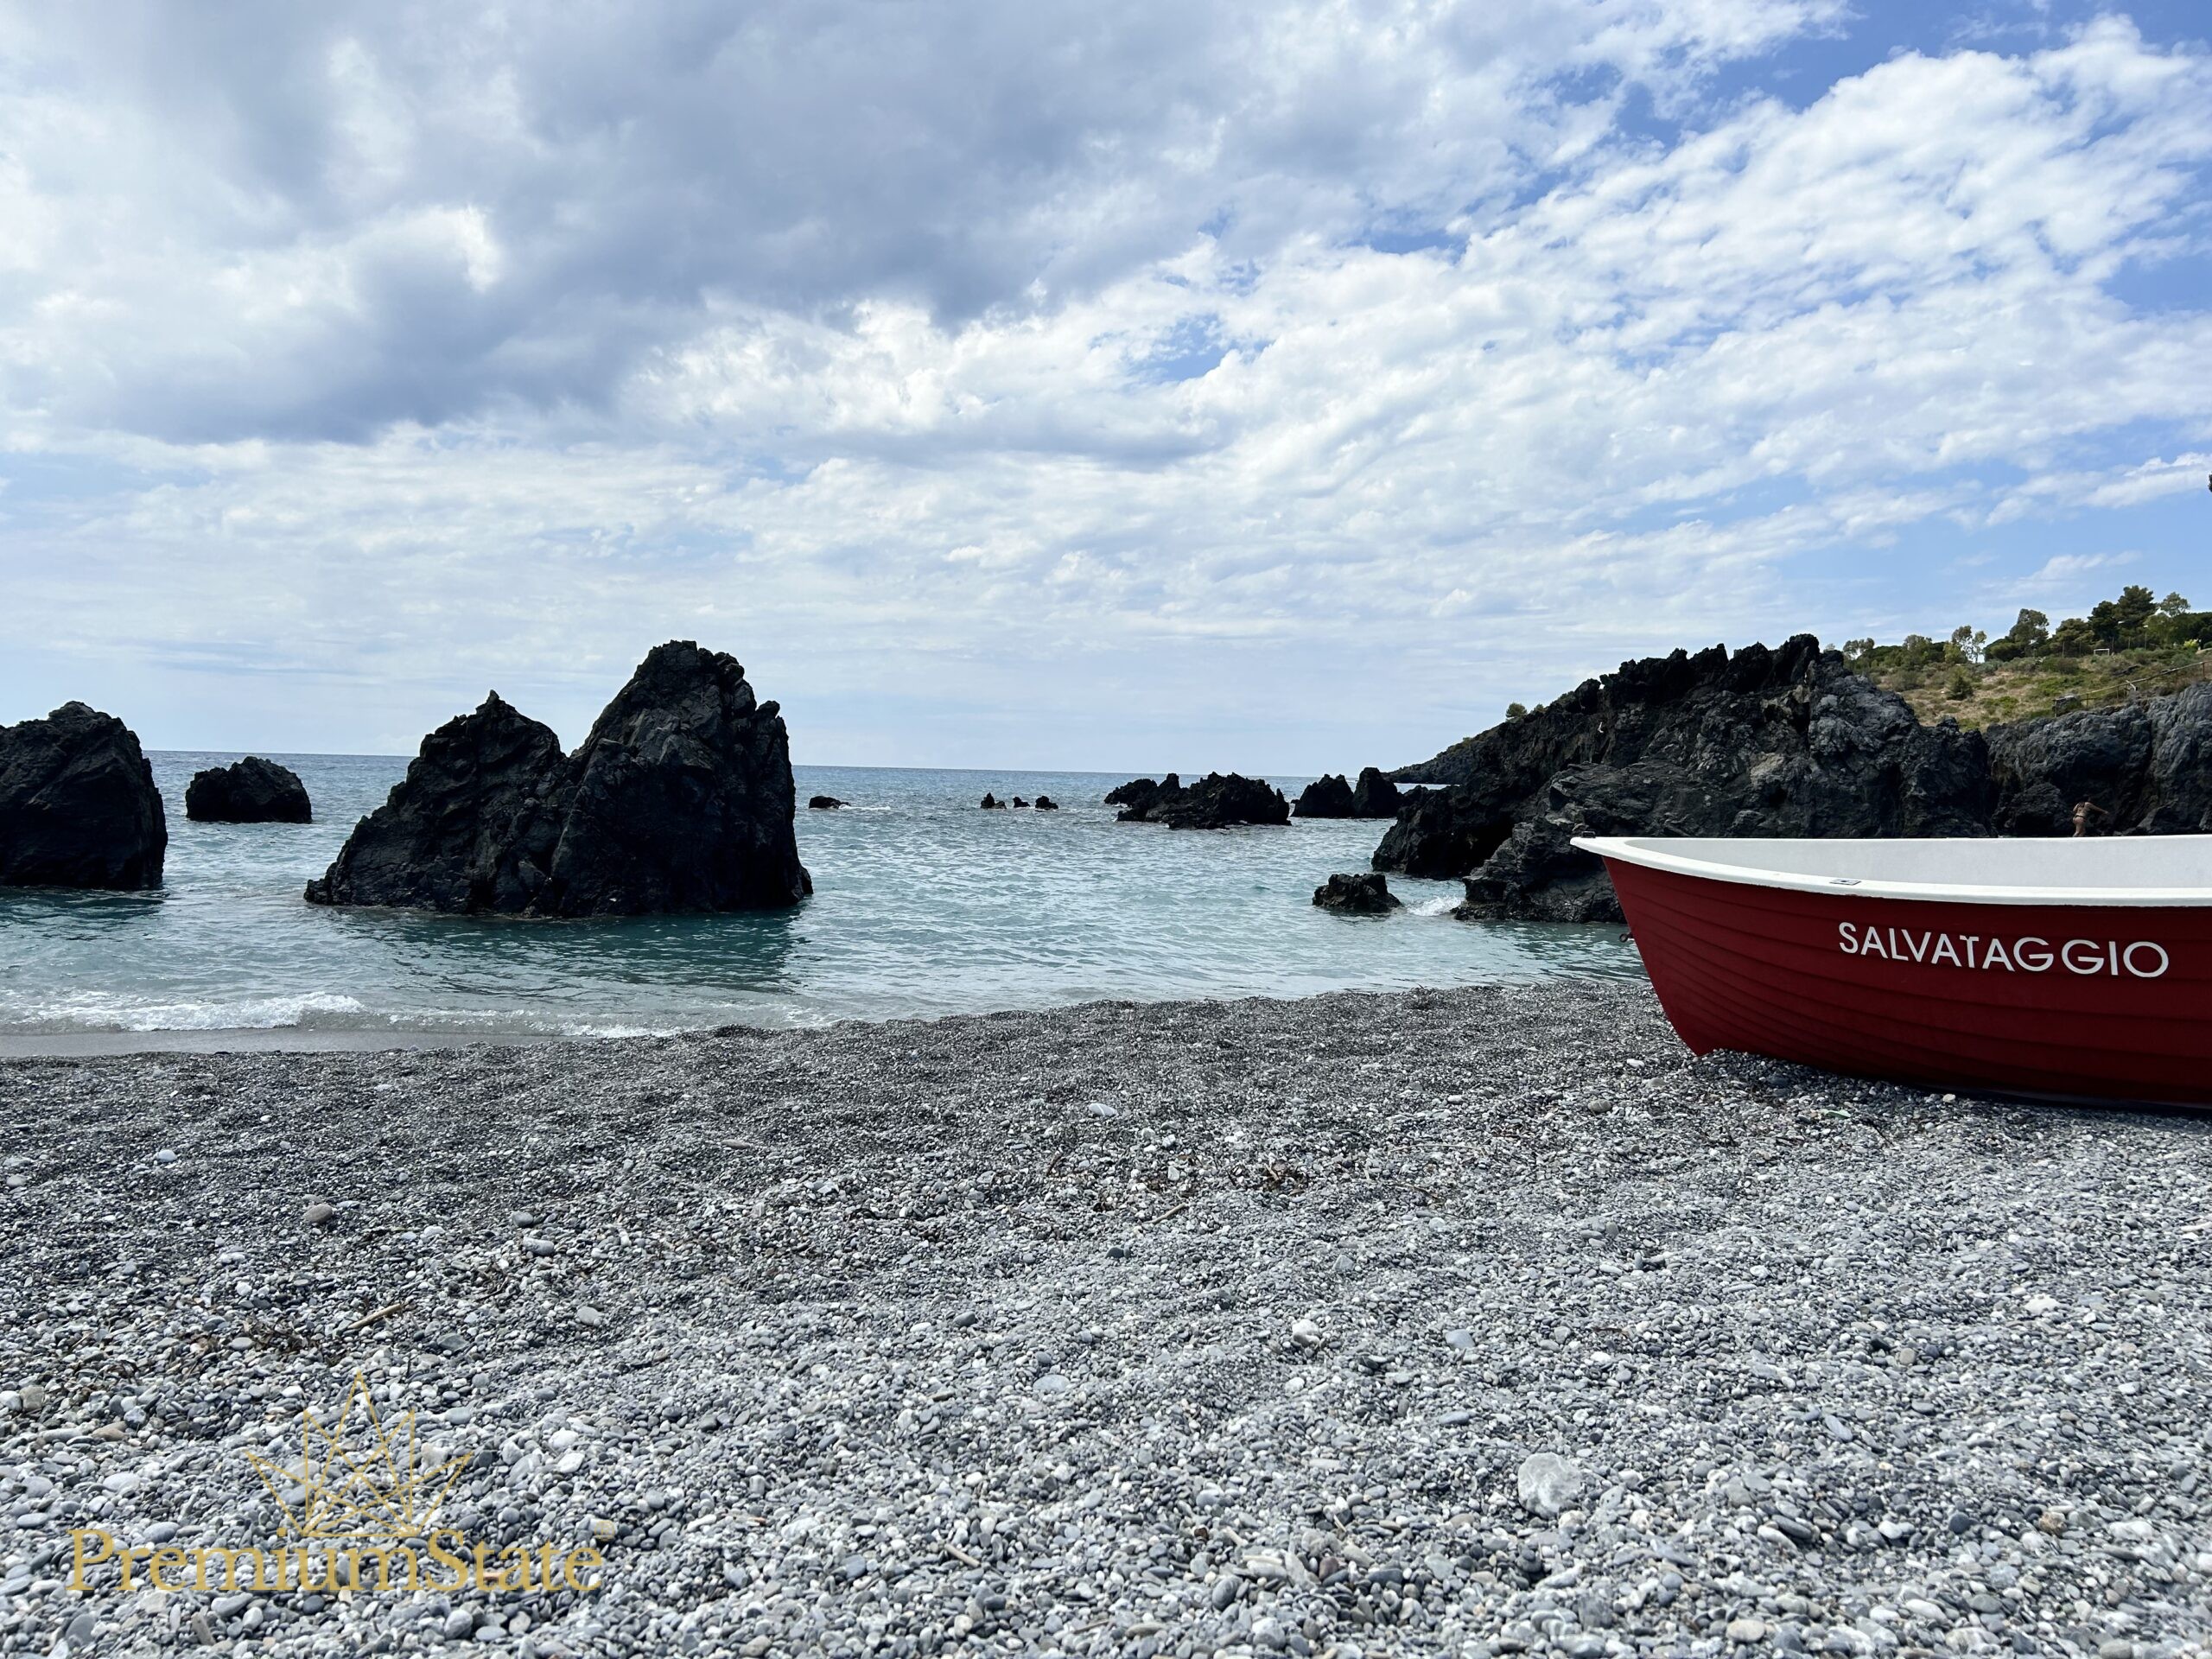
1326 797
77 805
251 791
680 800
469 828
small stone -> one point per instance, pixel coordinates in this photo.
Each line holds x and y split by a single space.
2052 1521
320 1215
34 1397
165 1156
1052 1383
589 1316
1307 1334
1100 1108
458 1624
1548 1483
1746 1630
1226 1588
2115 1647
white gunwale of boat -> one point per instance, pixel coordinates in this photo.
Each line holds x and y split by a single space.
2173 872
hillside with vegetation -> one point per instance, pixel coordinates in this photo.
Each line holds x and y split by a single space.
2133 646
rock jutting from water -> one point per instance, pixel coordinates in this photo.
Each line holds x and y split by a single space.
1327 796
1358 893
1783 742
991 803
1331 796
1217 801
78 804
1139 792
1046 803
825 803
251 791
679 800
1375 796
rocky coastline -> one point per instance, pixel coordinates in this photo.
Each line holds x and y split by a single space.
1484 1321
1784 742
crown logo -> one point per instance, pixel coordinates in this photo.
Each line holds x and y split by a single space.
357 1479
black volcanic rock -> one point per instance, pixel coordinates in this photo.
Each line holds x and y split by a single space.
991 803
1046 803
825 803
1365 893
77 805
1215 801
1139 792
1786 743
2147 767
1375 796
679 800
1326 797
251 791
470 827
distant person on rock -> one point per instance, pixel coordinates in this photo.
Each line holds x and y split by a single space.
2082 812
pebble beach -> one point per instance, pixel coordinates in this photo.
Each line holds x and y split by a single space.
1479 1321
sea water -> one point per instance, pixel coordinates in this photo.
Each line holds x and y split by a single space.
923 904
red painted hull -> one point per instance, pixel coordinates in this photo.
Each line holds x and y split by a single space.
2083 1002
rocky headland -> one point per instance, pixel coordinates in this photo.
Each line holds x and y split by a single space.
1217 801
78 804
1782 742
679 800
251 791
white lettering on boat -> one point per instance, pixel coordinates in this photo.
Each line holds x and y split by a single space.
2142 959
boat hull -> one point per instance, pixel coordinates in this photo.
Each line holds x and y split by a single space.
2077 1001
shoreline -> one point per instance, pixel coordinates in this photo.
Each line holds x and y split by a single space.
1197 1328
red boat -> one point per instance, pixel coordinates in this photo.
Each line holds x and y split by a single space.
2079 969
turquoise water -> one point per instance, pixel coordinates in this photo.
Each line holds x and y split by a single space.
923 904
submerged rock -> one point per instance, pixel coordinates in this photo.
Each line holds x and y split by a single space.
251 791
1217 801
825 803
1786 743
77 805
1361 893
679 800
1326 797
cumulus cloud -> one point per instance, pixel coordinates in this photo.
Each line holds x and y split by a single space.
1056 357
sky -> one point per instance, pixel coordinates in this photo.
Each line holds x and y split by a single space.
1016 382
